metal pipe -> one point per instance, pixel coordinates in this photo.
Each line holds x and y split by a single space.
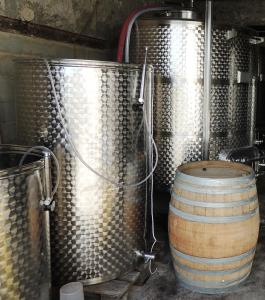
207 78
141 98
254 87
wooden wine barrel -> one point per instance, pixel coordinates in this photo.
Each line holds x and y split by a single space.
213 225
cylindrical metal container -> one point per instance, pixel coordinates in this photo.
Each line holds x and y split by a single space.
233 95
260 92
97 226
213 225
24 228
176 49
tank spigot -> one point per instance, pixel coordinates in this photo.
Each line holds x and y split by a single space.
145 255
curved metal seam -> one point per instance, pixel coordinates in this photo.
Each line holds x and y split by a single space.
81 63
212 261
213 204
212 220
26 172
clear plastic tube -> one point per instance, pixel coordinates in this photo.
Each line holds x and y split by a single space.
78 155
55 161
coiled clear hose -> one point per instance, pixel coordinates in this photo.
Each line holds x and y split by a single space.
79 156
57 166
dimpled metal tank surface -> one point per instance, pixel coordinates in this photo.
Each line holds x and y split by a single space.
96 226
176 50
24 227
233 92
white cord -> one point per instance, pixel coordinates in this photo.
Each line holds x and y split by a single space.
55 160
153 226
78 155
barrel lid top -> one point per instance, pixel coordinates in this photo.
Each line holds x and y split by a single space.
216 170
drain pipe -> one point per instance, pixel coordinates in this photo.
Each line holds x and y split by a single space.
207 78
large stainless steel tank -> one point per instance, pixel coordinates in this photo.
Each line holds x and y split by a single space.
176 50
24 228
233 94
96 226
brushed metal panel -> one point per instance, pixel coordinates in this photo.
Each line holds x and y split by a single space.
96 226
24 252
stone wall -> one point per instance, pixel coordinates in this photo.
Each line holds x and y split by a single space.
240 12
100 18
103 18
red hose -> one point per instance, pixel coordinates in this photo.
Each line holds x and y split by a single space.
124 29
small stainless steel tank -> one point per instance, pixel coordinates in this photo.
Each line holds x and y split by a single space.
233 93
96 227
175 43
24 229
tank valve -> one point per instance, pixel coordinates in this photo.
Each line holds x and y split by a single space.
48 204
145 255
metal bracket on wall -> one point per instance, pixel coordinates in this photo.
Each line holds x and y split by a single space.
256 40
231 34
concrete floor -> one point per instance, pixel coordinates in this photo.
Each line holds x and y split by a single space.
164 286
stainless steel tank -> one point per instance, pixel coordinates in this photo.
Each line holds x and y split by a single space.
233 94
24 228
176 50
96 227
